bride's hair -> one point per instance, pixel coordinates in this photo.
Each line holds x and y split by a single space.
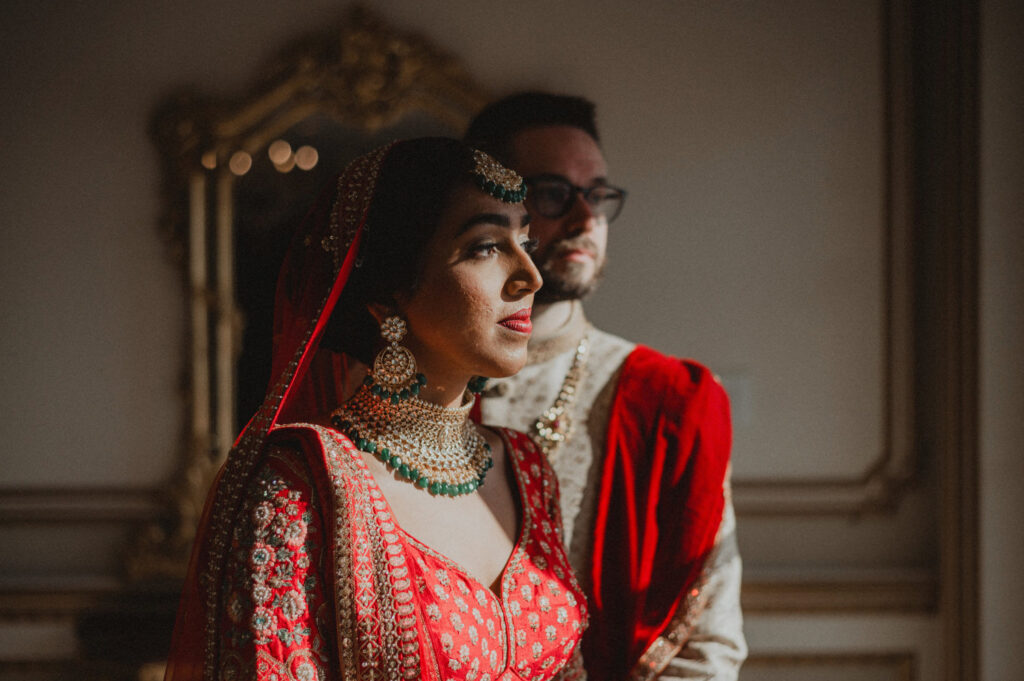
415 182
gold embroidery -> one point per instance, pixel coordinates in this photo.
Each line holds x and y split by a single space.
262 557
353 200
376 617
665 647
241 463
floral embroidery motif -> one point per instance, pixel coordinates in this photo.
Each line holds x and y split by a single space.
271 586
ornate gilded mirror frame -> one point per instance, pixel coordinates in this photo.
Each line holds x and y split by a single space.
361 74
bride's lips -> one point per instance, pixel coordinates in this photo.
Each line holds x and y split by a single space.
520 321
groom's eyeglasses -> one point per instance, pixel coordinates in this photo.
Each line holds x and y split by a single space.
552 197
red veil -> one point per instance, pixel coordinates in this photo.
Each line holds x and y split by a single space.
312 278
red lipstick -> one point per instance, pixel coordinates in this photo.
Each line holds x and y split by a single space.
519 322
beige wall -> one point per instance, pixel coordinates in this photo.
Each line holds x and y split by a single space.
1002 337
750 137
704 134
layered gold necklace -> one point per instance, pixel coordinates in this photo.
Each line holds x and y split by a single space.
436 448
554 427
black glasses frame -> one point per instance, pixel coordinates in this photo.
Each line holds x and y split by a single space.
573 191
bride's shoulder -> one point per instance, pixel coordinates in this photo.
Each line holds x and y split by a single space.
323 448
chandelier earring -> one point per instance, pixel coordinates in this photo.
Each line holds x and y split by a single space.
394 376
438 449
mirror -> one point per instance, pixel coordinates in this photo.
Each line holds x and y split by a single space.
237 176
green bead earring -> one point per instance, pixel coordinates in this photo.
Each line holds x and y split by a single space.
394 376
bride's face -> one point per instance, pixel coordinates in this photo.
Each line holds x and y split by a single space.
470 314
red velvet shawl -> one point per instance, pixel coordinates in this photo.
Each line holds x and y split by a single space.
660 503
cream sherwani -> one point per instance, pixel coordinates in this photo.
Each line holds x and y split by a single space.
716 646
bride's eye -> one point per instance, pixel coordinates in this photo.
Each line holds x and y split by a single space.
484 249
530 245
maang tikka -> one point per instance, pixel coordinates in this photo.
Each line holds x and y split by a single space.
500 182
394 375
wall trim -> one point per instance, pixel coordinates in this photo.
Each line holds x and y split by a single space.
880 487
903 664
903 595
76 504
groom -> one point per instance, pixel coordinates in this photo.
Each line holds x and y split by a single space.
640 441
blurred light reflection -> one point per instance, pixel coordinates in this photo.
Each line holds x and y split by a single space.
279 152
240 163
287 165
306 157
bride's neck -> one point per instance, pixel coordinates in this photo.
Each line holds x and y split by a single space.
443 393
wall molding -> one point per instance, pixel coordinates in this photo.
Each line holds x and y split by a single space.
904 595
902 664
76 504
879 488
37 603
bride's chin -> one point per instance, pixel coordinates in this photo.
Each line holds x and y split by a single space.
509 364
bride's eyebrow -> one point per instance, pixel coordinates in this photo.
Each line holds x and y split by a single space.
498 219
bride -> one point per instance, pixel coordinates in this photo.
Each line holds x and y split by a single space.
388 537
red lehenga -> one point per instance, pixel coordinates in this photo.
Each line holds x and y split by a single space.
300 569
391 603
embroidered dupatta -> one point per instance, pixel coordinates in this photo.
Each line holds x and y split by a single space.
312 278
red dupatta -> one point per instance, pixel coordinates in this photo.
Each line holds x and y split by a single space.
312 278
660 504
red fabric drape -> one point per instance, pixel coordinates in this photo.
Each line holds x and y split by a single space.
659 507
312 278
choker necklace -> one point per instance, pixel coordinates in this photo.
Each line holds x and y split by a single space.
436 448
555 425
